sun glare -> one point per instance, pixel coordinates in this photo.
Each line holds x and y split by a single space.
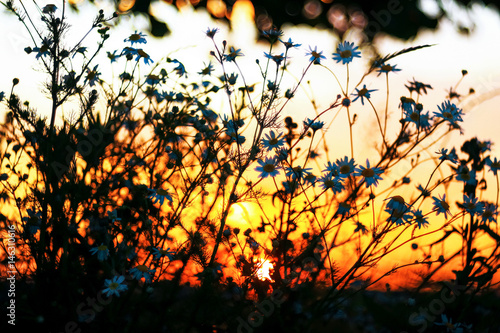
263 268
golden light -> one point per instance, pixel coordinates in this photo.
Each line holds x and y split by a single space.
125 5
75 2
243 11
263 268
217 8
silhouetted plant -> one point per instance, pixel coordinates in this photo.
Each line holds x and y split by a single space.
129 203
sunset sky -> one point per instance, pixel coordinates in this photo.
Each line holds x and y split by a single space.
439 65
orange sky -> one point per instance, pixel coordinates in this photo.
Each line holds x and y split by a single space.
439 66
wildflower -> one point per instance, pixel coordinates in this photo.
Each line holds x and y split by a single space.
159 196
273 35
441 206
233 53
452 156
494 165
362 94
125 76
44 50
49 9
297 172
332 169
315 55
346 52
290 186
472 206
289 44
129 52
361 227
344 208
80 50
268 167
395 202
232 132
152 79
466 176
371 175
160 253
231 79
92 76
413 113
407 104
211 32
207 70
424 121
314 125
450 327
271 141
489 213
420 218
449 111
114 286
386 68
142 271
281 154
418 86
399 212
310 179
144 55
102 252
345 167
278 58
329 182
179 70
136 37
112 56
271 85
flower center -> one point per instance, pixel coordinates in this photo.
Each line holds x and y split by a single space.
415 116
142 268
315 54
273 141
269 167
134 37
102 247
113 285
345 169
445 205
142 53
471 206
386 68
162 192
397 213
329 183
399 199
363 92
447 115
345 205
345 53
367 173
487 214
